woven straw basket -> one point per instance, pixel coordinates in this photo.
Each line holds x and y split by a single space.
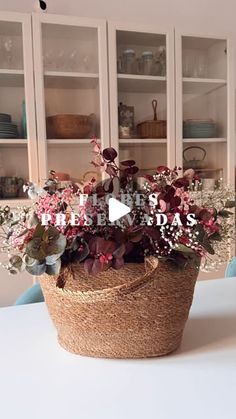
138 311
69 126
152 129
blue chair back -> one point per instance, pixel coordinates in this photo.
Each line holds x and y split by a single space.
231 268
32 295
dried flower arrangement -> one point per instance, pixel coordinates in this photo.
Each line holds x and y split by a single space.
49 248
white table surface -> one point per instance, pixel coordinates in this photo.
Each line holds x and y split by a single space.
40 380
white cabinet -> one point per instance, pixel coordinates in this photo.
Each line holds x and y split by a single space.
195 95
137 89
70 57
205 101
88 67
18 140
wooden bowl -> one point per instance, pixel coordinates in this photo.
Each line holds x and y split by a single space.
69 126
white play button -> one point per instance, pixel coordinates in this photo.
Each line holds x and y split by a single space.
117 209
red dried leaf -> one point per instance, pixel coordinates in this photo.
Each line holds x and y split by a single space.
205 215
93 266
131 170
119 252
175 202
163 170
87 189
181 182
108 186
118 263
149 178
109 154
128 163
100 191
111 170
123 182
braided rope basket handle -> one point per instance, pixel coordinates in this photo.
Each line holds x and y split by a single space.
151 265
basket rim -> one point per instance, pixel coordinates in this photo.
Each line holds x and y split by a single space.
68 115
159 121
151 264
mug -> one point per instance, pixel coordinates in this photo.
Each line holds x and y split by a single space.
10 186
208 183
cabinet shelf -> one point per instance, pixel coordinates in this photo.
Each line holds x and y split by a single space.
141 84
204 140
201 85
11 78
15 202
65 142
12 142
70 80
210 170
142 141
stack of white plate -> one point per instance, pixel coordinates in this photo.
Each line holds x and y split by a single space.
7 128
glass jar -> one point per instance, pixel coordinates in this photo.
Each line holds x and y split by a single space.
147 62
129 61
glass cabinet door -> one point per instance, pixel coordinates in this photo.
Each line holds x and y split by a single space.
141 65
18 143
205 108
72 94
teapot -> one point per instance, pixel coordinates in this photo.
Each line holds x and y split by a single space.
194 163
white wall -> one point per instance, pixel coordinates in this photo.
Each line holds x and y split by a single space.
11 286
220 13
207 15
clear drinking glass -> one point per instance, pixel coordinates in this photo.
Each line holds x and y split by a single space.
48 59
200 64
162 60
72 61
188 63
86 63
8 51
17 53
60 60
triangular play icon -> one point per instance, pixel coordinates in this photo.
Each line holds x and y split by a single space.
117 209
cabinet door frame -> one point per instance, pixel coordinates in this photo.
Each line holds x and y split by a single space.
114 26
230 177
32 152
100 25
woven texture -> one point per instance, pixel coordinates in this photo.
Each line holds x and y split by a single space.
138 311
68 126
152 129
